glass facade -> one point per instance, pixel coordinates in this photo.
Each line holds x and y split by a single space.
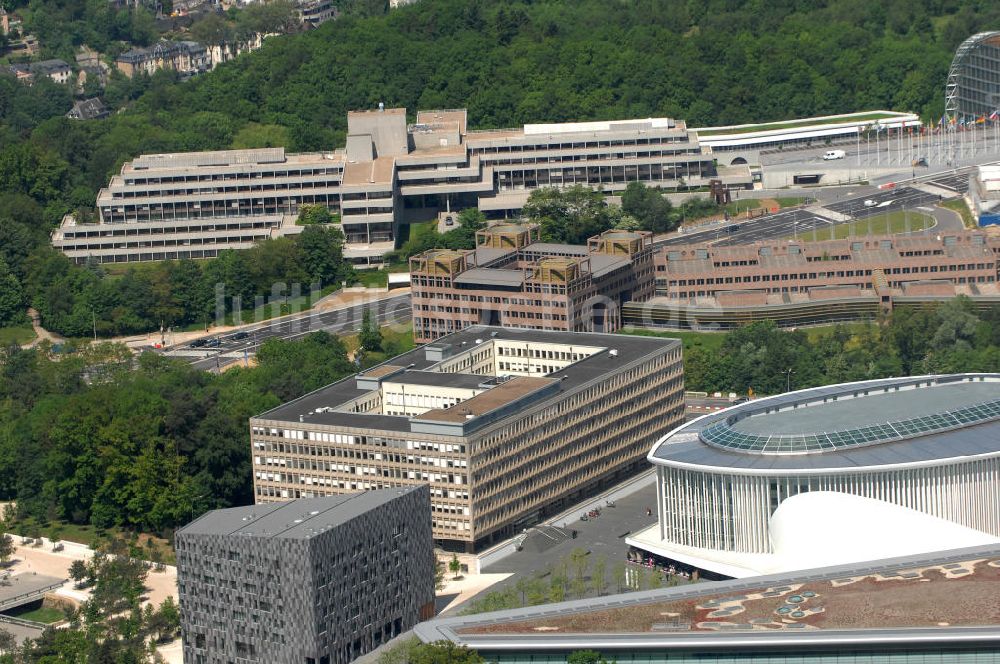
731 512
721 435
973 88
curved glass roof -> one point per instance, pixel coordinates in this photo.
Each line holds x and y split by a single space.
723 434
843 417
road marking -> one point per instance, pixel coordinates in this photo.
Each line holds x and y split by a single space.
827 213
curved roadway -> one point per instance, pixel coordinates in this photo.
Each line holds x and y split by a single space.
394 309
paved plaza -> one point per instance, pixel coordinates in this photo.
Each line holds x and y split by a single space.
605 535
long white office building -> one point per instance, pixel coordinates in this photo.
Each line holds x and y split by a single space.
192 205
826 474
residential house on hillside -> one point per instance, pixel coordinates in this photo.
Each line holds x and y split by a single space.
315 12
8 22
21 72
26 45
57 70
186 57
18 42
88 109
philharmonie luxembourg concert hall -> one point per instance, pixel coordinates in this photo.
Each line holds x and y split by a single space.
831 476
861 520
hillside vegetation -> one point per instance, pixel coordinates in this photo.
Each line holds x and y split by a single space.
508 61
515 62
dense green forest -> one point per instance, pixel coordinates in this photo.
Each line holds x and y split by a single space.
949 338
95 438
74 300
508 61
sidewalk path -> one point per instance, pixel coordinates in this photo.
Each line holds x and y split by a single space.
43 560
40 332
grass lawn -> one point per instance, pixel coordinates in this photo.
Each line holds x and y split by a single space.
736 207
372 278
44 614
417 231
768 126
87 534
397 339
887 223
16 335
820 331
710 341
791 201
962 208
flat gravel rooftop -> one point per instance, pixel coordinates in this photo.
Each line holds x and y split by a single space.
313 408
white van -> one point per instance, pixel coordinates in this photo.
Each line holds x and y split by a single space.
834 154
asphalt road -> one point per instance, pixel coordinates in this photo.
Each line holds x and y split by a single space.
395 309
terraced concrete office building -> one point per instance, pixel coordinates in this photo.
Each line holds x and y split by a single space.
506 425
831 473
192 205
317 581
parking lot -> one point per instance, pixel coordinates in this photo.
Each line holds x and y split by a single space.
799 221
545 546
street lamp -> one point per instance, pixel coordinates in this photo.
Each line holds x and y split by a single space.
788 379
191 506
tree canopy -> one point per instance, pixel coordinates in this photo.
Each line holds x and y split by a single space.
946 338
112 625
88 439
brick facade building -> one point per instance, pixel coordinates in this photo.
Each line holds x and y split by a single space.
868 262
513 280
